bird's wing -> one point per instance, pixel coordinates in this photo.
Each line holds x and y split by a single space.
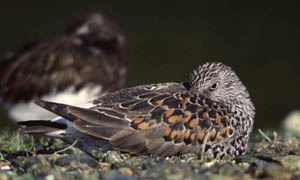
154 122
132 93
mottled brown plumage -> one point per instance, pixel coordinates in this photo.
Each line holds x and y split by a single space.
212 113
90 53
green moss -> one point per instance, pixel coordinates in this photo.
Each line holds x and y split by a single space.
14 142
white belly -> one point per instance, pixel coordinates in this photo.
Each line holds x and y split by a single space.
30 111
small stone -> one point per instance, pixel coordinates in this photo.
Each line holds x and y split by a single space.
291 162
210 164
220 177
174 174
126 171
229 169
105 166
50 177
32 161
189 157
81 158
113 157
4 166
276 171
244 165
114 175
3 176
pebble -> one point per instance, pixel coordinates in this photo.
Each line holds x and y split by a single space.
126 171
276 171
291 162
113 157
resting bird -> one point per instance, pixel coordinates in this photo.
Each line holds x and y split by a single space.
80 65
211 113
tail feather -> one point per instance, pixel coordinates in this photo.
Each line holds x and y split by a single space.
40 126
73 113
83 141
91 129
57 108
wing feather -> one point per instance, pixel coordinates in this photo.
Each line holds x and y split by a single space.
153 122
95 130
138 92
97 118
40 126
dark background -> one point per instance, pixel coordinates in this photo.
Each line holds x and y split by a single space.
166 39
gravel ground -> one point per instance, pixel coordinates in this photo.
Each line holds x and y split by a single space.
269 156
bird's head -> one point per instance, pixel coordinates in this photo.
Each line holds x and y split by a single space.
219 83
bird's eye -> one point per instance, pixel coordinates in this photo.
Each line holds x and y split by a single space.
213 86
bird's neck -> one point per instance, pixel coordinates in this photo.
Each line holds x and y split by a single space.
243 112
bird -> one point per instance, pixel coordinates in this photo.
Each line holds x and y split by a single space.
87 60
210 114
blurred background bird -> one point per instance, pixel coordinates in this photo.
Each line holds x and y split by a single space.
84 62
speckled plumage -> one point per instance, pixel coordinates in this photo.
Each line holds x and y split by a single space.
212 113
